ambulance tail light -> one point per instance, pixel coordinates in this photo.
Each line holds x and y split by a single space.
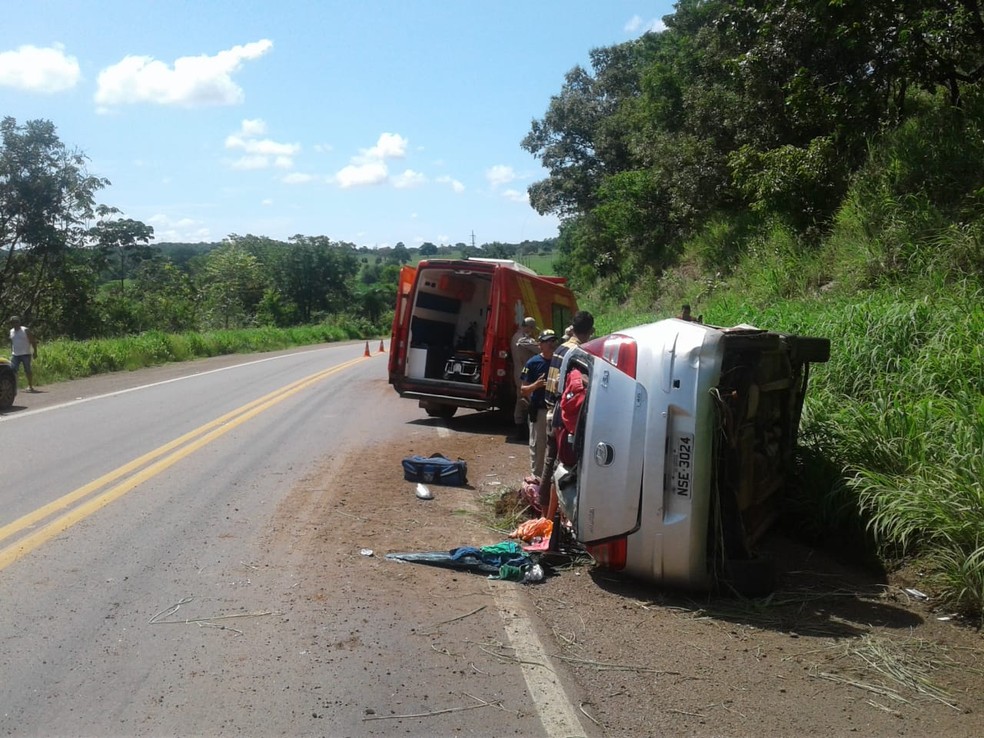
618 350
610 554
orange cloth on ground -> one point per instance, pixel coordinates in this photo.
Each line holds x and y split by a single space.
536 528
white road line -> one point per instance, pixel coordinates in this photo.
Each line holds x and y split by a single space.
552 704
80 400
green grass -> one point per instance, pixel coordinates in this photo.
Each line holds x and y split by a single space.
539 263
891 463
62 360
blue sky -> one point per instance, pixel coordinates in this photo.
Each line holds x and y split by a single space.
365 121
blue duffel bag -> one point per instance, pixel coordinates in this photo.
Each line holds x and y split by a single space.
435 469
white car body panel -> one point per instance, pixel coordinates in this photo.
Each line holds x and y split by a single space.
646 444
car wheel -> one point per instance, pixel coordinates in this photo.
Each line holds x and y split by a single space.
8 390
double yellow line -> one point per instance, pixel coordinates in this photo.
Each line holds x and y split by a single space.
143 468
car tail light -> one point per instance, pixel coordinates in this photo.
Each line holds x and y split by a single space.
611 554
618 350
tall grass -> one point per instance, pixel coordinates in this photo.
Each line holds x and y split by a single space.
892 434
61 360
891 462
893 430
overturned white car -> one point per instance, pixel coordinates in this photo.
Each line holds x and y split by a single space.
683 446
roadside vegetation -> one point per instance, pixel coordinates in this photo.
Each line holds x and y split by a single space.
817 169
809 168
65 359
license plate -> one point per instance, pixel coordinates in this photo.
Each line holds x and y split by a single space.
681 465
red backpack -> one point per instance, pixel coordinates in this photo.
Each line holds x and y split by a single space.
570 409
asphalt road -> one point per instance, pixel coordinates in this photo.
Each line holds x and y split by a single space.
147 582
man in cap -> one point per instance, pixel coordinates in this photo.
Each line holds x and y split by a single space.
524 347
24 347
534 380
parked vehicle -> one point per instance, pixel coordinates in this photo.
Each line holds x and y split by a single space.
683 448
452 328
8 384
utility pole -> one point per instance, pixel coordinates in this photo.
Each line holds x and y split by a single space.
473 239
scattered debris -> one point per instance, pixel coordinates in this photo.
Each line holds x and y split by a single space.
202 622
453 620
367 552
533 529
423 492
505 560
482 703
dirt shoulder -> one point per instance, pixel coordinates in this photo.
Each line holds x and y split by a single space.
834 651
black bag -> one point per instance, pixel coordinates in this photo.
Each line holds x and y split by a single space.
435 469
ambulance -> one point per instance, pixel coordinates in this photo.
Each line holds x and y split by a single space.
454 318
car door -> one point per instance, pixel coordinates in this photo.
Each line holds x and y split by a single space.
607 500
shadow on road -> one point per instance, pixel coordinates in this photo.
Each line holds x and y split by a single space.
488 422
816 596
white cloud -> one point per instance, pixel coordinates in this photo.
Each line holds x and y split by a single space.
455 184
517 196
251 162
193 81
359 175
297 178
636 25
39 69
266 202
388 146
369 166
260 153
183 230
409 178
500 175
252 127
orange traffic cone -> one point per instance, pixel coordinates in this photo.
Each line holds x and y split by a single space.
367 349
381 349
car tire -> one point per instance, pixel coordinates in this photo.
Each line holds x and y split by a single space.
8 389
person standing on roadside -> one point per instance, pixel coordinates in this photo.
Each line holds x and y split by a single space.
524 347
583 328
24 347
534 381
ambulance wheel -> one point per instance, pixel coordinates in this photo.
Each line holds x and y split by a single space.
435 410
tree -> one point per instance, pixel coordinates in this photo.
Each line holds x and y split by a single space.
233 286
46 198
127 237
166 296
400 254
427 249
575 140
